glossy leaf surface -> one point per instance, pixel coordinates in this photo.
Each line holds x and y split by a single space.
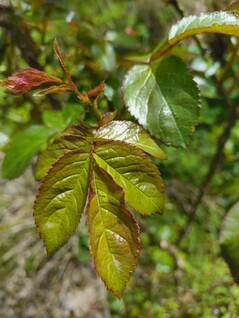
135 173
113 232
229 240
132 134
22 148
164 100
61 199
59 147
215 22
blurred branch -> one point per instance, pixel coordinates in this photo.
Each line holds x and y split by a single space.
173 251
20 35
223 138
216 160
174 3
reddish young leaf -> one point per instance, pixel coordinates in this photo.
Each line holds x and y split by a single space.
94 92
27 79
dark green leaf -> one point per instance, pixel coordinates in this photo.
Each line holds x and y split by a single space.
61 199
132 134
113 232
135 173
229 240
22 148
164 100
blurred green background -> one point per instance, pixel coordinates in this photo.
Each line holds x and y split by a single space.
174 278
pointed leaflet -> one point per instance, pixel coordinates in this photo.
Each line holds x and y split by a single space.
59 147
27 79
229 240
164 100
132 170
54 89
22 148
113 233
215 22
107 117
132 134
61 199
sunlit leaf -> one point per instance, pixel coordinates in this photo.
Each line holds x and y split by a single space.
22 148
215 22
61 199
59 147
113 233
135 173
164 99
229 240
132 134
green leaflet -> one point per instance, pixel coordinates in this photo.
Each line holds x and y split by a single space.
229 240
22 148
59 147
132 134
113 232
135 173
164 100
215 22
61 199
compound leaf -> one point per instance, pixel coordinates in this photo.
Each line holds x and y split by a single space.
229 240
132 170
61 199
164 100
113 232
22 148
132 134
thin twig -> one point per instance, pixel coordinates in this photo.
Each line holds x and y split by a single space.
72 84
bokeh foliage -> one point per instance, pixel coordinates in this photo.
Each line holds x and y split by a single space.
177 276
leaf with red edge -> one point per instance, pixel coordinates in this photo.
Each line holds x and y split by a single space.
132 170
59 147
113 233
27 79
61 199
132 134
